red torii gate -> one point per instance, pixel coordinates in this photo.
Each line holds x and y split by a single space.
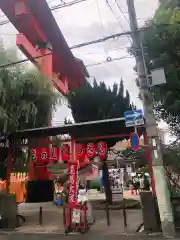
39 35
41 40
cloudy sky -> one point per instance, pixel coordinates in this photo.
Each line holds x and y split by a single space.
91 20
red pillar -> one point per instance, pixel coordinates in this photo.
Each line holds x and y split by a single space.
45 64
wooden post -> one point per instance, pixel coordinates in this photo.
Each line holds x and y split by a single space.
40 216
107 214
106 181
9 168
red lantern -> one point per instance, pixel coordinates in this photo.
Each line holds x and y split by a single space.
80 151
44 155
54 154
102 150
91 150
65 152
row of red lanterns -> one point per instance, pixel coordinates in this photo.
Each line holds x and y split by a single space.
82 151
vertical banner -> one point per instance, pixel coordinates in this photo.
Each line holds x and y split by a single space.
102 150
72 174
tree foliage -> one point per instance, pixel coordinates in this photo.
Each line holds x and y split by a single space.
137 156
27 98
98 102
162 49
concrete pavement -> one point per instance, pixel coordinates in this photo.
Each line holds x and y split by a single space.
53 218
88 236
95 195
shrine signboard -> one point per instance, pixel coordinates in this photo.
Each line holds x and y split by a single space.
73 171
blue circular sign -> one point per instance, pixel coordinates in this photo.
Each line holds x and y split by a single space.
134 141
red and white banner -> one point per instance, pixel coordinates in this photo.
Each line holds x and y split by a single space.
72 174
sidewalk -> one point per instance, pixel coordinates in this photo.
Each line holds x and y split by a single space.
88 236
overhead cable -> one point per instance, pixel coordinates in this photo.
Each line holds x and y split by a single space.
113 36
120 9
117 18
53 8
108 60
73 47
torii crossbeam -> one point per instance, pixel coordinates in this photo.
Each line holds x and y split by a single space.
39 35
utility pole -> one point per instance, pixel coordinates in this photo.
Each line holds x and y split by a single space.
162 191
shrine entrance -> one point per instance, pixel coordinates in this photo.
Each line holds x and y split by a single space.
71 151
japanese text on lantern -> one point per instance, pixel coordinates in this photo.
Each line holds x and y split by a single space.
45 155
72 183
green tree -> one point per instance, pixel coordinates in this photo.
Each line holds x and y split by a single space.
27 99
162 49
98 102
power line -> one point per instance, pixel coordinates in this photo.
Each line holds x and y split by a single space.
53 8
86 53
77 46
117 18
4 22
100 19
108 60
67 4
109 50
117 35
120 9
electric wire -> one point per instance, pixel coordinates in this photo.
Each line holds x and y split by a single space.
120 9
101 24
112 11
72 47
53 8
117 18
84 53
108 60
100 19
